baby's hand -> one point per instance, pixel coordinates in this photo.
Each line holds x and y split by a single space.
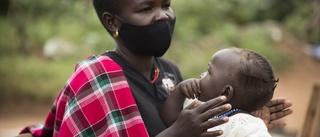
190 88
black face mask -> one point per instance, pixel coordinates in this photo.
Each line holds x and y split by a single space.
149 40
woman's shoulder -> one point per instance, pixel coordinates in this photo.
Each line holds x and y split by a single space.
96 70
96 61
93 59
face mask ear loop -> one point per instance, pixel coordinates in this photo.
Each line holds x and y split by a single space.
120 19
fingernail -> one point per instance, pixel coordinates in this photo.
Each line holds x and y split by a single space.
226 119
228 106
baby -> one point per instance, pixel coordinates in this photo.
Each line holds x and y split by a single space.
243 76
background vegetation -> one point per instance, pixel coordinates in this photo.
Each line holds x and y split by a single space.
203 27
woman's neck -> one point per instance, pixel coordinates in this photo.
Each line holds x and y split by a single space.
143 64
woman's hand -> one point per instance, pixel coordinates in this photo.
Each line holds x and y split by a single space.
193 120
276 109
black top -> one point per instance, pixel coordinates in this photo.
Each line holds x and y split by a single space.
150 97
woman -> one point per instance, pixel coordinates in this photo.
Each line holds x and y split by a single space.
120 93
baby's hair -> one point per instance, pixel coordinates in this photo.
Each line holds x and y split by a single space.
255 76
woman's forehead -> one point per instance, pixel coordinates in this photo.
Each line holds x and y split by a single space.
140 2
127 7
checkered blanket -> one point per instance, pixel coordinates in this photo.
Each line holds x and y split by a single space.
96 101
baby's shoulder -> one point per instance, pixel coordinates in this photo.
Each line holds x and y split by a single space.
242 119
242 124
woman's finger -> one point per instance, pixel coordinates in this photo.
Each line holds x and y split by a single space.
211 104
210 113
276 125
214 122
276 101
194 104
212 133
280 107
280 114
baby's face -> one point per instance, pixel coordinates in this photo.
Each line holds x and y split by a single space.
218 75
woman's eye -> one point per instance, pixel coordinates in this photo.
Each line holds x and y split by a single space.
146 9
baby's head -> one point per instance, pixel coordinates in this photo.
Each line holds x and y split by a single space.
245 77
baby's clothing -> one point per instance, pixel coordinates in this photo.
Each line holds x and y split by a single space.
240 125
243 125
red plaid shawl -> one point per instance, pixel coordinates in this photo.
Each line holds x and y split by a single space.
96 101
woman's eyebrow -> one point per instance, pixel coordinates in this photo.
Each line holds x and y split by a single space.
143 3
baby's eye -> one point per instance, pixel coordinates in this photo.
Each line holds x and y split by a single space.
166 6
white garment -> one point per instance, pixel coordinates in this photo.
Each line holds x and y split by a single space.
240 125
243 125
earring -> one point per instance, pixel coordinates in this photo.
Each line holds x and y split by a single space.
116 34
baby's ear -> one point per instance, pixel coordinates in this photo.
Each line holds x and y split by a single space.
228 92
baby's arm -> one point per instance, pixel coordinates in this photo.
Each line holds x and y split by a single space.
174 103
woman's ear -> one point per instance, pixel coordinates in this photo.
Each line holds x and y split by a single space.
228 92
110 22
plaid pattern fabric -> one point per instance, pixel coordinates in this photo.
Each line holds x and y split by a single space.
96 101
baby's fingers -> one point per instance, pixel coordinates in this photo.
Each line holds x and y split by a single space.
193 90
197 83
184 90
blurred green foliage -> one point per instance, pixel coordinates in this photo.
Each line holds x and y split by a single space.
202 28
32 78
29 24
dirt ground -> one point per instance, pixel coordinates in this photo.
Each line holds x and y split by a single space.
295 84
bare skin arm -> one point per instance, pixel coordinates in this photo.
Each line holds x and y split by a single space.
174 103
276 109
172 107
193 120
